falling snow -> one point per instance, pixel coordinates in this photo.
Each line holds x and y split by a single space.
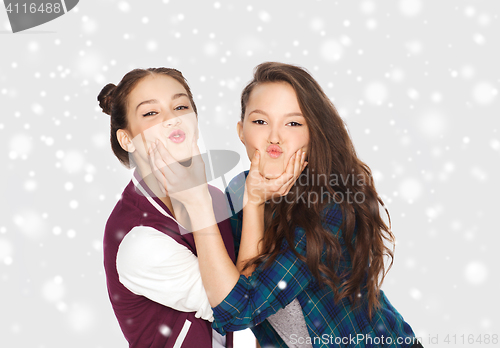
416 84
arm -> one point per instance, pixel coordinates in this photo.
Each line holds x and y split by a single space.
267 290
234 195
270 288
257 191
250 246
186 185
218 272
151 264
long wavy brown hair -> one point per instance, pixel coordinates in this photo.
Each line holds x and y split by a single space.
331 154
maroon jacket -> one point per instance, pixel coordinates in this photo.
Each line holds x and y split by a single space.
146 323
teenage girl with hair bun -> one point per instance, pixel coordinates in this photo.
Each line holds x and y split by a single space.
151 264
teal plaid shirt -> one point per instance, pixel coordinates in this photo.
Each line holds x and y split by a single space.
269 289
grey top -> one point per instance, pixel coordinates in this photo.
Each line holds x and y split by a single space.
290 324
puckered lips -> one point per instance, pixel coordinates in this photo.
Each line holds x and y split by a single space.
177 136
274 151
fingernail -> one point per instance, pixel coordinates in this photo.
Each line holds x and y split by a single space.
257 153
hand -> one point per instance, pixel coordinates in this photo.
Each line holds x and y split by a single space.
258 189
188 185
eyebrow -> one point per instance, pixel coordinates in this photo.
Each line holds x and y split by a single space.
258 111
155 101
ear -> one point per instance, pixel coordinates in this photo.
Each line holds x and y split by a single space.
239 129
125 141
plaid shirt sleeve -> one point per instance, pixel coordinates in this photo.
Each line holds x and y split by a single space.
266 291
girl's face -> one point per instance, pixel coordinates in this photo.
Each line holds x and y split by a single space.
159 108
274 125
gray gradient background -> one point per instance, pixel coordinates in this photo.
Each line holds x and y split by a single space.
416 82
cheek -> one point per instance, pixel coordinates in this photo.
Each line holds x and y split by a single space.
305 144
299 140
249 137
302 139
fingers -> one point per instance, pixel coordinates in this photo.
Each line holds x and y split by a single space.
254 164
299 165
299 160
162 153
288 175
158 174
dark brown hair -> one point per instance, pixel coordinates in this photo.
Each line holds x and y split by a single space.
113 101
330 152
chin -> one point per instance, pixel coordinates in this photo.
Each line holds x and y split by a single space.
272 170
183 158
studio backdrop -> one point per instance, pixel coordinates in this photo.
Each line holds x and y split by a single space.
415 81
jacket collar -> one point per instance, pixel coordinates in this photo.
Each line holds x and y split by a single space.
143 189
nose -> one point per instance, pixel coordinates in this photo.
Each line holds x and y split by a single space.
274 136
172 122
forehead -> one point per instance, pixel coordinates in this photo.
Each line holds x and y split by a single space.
270 93
155 87
273 99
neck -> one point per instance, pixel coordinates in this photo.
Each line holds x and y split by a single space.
150 180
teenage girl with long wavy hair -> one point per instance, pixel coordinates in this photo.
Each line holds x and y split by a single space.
309 238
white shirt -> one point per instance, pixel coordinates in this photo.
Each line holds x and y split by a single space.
151 264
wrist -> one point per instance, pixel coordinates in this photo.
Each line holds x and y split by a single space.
253 202
199 200
252 206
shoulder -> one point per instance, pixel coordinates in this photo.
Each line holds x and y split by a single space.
125 203
235 191
331 219
237 184
331 215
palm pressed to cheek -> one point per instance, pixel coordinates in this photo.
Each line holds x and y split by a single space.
177 135
274 125
275 154
160 108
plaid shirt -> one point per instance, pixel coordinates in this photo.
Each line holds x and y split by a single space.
269 289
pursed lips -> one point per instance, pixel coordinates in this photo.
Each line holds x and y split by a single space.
177 136
274 151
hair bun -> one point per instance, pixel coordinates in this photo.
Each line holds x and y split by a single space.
105 98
